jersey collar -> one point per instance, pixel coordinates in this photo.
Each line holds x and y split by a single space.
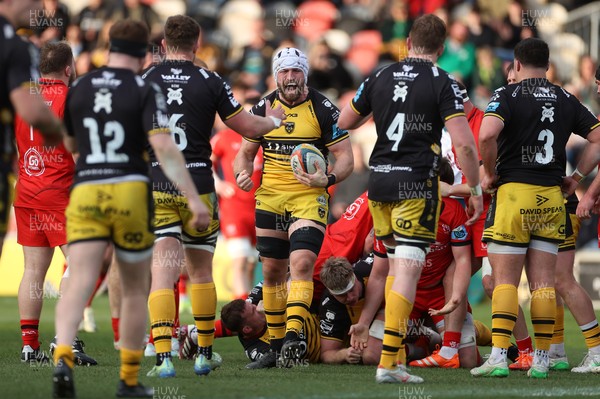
280 99
417 60
50 82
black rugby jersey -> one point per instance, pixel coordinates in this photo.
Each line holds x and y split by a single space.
410 101
313 121
538 119
194 96
255 347
111 112
335 318
18 67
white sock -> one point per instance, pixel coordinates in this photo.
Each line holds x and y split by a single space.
498 354
541 357
447 352
595 350
557 350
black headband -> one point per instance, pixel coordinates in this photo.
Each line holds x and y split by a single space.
134 49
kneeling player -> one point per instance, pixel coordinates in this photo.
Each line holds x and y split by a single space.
343 304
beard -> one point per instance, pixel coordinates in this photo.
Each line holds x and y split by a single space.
291 90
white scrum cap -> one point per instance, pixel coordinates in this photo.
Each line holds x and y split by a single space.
288 58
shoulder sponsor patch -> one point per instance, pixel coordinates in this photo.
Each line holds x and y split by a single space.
492 107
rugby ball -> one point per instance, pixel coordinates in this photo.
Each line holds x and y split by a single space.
303 159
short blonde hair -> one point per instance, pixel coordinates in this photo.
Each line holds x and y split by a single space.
336 273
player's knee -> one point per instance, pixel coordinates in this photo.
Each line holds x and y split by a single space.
309 238
271 247
488 285
563 284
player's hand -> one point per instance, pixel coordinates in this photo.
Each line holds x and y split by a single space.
359 335
317 179
568 186
475 209
448 307
586 206
201 216
244 181
445 189
488 183
277 112
224 189
353 356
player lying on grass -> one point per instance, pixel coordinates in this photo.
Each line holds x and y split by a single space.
342 305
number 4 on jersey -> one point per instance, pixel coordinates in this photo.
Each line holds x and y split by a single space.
396 130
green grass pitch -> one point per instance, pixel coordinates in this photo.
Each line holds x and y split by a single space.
18 380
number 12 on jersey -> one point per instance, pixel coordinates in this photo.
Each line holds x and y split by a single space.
115 133
396 130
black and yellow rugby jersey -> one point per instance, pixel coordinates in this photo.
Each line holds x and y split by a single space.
538 119
111 112
194 96
18 67
335 318
410 101
309 334
314 121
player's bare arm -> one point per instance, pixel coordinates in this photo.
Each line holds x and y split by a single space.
359 332
254 126
350 119
173 164
464 143
243 165
589 160
488 134
333 352
32 109
460 281
70 143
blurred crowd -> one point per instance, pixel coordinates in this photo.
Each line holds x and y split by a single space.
345 40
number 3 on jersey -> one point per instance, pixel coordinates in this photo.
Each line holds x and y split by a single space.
115 133
396 130
545 156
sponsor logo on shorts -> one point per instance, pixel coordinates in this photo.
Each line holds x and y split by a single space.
540 200
133 238
403 224
459 233
506 236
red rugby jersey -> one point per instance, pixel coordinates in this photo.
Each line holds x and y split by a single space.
45 173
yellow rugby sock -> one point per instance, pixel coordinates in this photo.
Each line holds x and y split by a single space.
558 335
543 312
161 305
66 353
388 286
298 305
204 306
505 307
484 334
275 300
591 333
130 365
397 312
